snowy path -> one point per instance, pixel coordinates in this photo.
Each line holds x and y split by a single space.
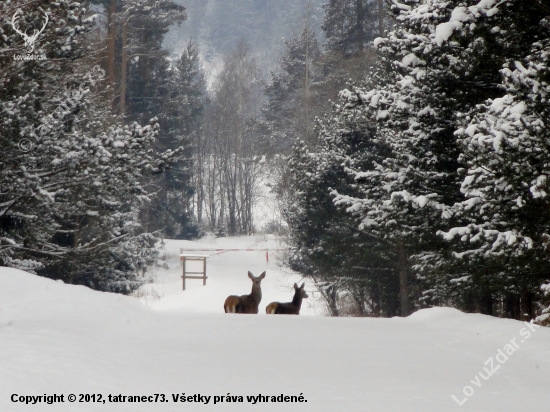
63 339
227 275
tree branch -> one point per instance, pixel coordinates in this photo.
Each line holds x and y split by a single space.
542 6
378 238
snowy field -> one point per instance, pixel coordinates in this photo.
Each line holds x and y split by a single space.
63 339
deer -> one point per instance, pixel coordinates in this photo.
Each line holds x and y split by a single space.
29 40
246 303
289 308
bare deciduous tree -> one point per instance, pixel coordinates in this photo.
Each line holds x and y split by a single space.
228 154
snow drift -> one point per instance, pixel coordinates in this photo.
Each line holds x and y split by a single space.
64 339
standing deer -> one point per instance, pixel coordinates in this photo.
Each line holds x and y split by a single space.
246 303
289 308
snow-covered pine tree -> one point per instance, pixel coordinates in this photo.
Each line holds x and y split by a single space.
328 246
69 206
348 262
351 25
437 66
505 150
26 212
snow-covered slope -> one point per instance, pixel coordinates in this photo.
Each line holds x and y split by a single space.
64 339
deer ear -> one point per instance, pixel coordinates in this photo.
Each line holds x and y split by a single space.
262 275
250 275
296 286
303 285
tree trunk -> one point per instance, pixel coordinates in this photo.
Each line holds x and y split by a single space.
403 281
331 297
381 17
199 181
487 303
111 51
122 108
360 29
526 305
512 307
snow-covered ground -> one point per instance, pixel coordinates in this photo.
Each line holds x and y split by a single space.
63 339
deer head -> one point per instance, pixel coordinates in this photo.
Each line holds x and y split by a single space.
29 40
256 280
300 291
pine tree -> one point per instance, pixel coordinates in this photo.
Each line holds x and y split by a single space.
351 25
289 111
149 87
415 97
329 247
504 144
438 66
144 63
70 202
183 100
413 101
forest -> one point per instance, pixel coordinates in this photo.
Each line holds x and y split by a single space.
404 141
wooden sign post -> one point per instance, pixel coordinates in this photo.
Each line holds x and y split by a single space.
193 275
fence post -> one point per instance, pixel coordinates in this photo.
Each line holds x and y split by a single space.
183 277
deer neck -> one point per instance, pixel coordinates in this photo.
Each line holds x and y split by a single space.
297 300
256 293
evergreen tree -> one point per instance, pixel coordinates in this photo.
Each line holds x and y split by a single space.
181 119
144 62
148 86
435 69
69 202
504 148
413 101
289 111
408 196
329 247
351 25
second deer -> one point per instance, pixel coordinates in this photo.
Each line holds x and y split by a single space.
290 308
246 303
